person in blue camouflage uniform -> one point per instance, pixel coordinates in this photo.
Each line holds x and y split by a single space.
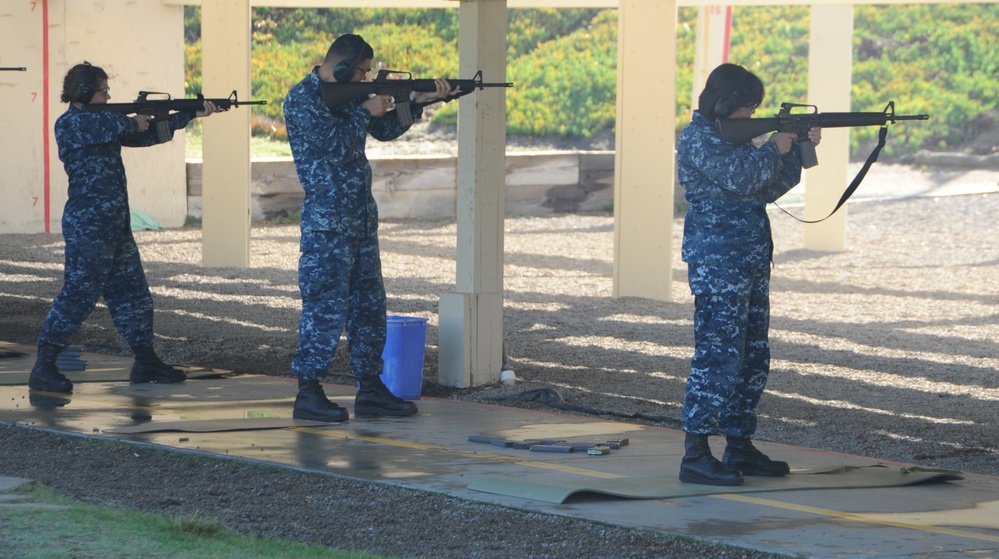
102 259
339 269
728 249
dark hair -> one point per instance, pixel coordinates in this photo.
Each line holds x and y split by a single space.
349 47
729 87
79 77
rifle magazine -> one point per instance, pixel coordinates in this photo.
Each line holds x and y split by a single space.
404 114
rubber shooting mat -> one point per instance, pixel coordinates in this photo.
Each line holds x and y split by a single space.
666 487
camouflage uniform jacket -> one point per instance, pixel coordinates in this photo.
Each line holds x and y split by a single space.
328 147
90 149
728 187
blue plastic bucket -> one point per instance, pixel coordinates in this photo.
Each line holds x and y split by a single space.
405 343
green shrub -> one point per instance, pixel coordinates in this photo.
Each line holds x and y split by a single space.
529 30
936 59
567 87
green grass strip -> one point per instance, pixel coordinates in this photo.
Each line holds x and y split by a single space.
37 523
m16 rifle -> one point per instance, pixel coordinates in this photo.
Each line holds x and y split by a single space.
741 130
338 93
160 109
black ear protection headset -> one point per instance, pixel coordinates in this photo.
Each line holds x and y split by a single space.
344 70
725 107
728 105
85 92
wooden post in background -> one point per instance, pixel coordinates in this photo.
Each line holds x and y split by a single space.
471 318
830 62
645 150
225 38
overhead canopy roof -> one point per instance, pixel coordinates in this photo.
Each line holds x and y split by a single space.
555 3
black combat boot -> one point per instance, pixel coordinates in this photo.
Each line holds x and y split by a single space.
740 454
312 404
699 466
374 398
45 374
149 368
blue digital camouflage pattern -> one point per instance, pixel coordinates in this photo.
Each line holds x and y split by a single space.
340 278
329 157
728 187
339 271
731 354
101 256
728 248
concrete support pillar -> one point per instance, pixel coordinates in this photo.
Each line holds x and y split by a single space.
225 36
829 78
645 149
471 318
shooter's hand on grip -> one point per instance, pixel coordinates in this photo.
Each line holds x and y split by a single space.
378 105
783 141
142 122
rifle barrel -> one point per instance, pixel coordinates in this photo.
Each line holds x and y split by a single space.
740 130
338 93
13 69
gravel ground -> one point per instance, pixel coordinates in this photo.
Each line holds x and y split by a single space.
887 350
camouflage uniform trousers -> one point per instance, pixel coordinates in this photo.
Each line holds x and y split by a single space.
731 353
340 279
100 263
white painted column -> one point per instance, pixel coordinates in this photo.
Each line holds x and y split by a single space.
644 159
714 24
48 38
829 78
225 39
471 318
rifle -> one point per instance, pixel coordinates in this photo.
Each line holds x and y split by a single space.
740 130
13 69
338 93
160 109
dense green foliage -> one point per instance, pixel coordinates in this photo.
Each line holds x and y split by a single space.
936 59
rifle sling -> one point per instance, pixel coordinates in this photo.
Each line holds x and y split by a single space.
882 136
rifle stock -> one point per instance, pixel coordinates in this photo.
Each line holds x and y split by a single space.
336 94
741 130
160 109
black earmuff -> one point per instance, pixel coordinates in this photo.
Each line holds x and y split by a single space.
725 107
86 91
344 70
